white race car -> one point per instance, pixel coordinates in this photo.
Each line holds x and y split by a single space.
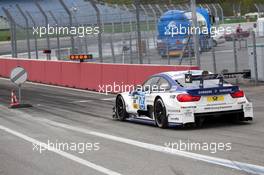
185 98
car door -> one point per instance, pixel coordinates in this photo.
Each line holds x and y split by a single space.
159 88
152 92
142 96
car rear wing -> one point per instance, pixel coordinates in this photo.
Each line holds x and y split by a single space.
213 91
189 78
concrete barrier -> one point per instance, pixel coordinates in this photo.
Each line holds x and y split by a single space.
90 76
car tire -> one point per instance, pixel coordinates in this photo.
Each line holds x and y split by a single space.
120 106
236 118
199 122
160 114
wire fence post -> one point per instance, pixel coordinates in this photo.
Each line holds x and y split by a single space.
195 35
213 56
99 23
46 25
102 21
15 35
209 9
155 23
35 36
139 42
130 36
121 22
113 27
57 35
131 49
146 17
146 33
12 31
27 29
235 55
112 49
189 54
86 44
168 52
131 25
222 13
160 10
130 20
216 14
70 23
255 57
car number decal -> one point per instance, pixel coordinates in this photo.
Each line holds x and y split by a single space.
141 101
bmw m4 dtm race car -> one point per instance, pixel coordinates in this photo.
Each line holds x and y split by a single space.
184 97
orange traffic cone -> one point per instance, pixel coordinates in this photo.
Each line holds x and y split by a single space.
14 101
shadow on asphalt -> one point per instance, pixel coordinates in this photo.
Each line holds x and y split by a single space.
220 122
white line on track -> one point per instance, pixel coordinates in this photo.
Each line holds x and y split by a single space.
86 101
108 99
62 153
81 101
249 168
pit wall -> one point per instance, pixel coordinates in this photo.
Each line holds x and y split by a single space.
89 76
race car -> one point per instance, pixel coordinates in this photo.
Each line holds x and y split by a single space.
184 98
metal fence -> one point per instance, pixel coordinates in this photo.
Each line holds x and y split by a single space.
117 24
117 39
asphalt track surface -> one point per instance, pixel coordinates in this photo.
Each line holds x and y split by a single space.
64 115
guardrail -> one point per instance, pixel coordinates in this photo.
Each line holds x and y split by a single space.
88 76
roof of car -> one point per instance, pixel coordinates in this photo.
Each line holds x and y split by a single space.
180 74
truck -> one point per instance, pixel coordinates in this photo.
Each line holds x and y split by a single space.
175 32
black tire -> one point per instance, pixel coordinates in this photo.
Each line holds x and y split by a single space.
121 112
160 114
199 122
236 118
